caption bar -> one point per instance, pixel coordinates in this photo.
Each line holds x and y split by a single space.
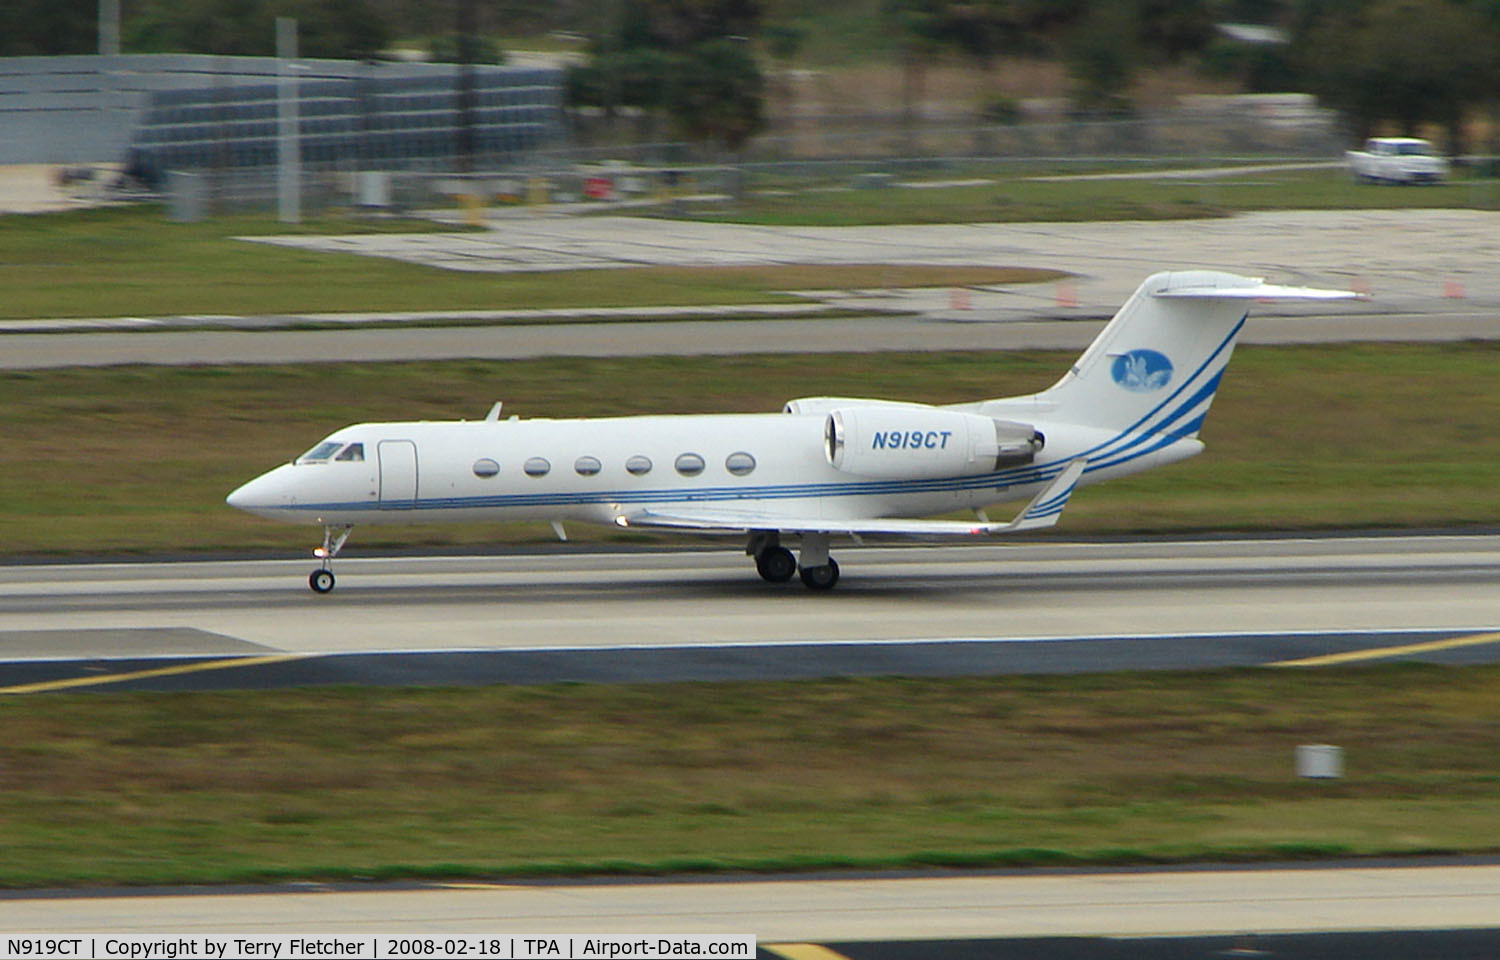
230 947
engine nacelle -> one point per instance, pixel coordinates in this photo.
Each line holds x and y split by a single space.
919 443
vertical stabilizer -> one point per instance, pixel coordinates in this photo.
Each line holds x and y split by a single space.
1156 366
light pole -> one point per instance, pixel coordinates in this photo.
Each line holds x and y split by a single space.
464 139
109 28
288 146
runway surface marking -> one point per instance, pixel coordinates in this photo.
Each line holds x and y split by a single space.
839 642
966 640
48 686
802 951
745 661
1377 653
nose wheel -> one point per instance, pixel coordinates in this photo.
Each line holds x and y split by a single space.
322 580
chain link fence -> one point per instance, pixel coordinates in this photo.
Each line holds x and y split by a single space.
565 157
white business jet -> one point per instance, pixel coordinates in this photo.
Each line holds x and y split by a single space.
1135 399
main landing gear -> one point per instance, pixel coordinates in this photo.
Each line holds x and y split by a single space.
775 563
821 577
321 580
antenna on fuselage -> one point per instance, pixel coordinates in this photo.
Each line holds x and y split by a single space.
494 415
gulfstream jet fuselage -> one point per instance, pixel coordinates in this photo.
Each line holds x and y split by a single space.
824 466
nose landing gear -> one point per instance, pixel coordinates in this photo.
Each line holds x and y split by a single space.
322 580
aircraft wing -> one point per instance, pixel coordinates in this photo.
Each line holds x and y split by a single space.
1043 511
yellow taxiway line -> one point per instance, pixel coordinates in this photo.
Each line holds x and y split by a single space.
802 951
48 686
1378 653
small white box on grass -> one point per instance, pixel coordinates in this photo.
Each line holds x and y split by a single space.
1320 761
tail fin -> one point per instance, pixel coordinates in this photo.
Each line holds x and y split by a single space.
1156 366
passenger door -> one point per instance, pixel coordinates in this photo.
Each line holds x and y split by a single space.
398 475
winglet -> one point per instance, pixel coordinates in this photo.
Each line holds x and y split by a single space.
1046 508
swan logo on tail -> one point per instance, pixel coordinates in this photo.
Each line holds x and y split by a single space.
1142 371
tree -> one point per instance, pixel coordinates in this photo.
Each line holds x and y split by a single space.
1489 12
341 29
916 26
347 29
1101 40
716 93
784 40
48 27
989 29
690 59
1173 28
1101 58
1403 62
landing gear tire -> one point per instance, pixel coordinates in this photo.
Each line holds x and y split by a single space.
334 535
821 578
776 564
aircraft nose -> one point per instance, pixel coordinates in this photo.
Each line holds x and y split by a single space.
239 498
262 493
244 497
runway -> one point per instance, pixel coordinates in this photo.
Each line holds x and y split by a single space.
703 615
1239 903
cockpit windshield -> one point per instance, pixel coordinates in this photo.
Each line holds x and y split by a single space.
354 451
320 453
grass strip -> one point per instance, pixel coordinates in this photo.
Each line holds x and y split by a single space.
137 460
1021 200
1019 858
131 262
884 773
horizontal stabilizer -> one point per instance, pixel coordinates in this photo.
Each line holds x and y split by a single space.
1044 510
1253 289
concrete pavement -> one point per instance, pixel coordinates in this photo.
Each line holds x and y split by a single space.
1404 257
1430 273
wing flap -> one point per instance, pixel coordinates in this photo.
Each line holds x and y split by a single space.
1044 510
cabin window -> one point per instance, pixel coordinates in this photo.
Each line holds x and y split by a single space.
320 453
353 452
537 467
689 464
587 466
638 466
740 464
485 467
